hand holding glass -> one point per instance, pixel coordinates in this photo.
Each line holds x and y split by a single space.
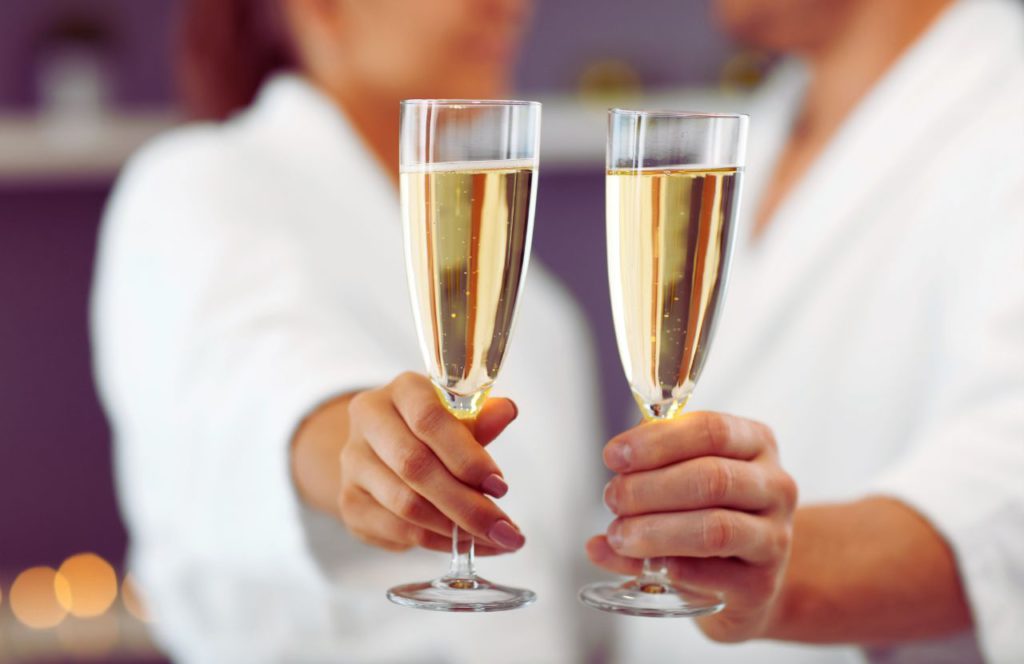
673 190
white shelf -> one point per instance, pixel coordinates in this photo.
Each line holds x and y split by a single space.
34 149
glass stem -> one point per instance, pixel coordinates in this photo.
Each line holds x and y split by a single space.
462 570
655 567
654 577
463 565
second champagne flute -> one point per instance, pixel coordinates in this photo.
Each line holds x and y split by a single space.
468 182
673 194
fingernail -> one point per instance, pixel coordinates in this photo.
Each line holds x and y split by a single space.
609 497
504 534
494 485
515 409
619 456
614 536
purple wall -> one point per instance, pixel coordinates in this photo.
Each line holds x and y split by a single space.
55 481
667 42
139 55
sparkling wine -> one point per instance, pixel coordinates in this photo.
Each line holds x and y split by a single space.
468 231
669 238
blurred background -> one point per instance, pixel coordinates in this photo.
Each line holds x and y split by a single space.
82 84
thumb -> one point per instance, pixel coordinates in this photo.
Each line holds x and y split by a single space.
495 416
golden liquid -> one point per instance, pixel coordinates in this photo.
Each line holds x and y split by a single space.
468 228
669 240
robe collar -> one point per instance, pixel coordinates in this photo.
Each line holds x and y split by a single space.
932 90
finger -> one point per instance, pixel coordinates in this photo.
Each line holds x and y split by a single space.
451 440
691 485
656 444
700 534
494 417
398 498
708 575
387 545
724 575
375 525
602 555
387 489
417 466
393 494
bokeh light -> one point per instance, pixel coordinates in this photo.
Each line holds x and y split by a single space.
92 585
132 599
36 597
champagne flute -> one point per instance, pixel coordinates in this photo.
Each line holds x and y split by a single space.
468 184
672 196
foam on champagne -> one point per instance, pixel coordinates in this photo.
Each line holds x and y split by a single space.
470 166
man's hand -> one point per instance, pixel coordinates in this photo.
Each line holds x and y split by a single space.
705 492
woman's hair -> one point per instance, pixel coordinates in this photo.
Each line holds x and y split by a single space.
226 49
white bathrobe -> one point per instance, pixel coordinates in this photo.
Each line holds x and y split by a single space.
878 324
250 270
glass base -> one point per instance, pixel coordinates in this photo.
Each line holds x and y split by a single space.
461 594
652 599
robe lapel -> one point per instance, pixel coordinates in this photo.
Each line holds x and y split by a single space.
928 92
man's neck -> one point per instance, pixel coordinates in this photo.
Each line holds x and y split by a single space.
843 71
849 65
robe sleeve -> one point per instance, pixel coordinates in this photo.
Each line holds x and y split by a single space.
212 342
965 469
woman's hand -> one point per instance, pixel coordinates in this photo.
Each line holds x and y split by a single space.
409 469
707 493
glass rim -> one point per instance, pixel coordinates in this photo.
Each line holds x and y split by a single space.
477 103
668 113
